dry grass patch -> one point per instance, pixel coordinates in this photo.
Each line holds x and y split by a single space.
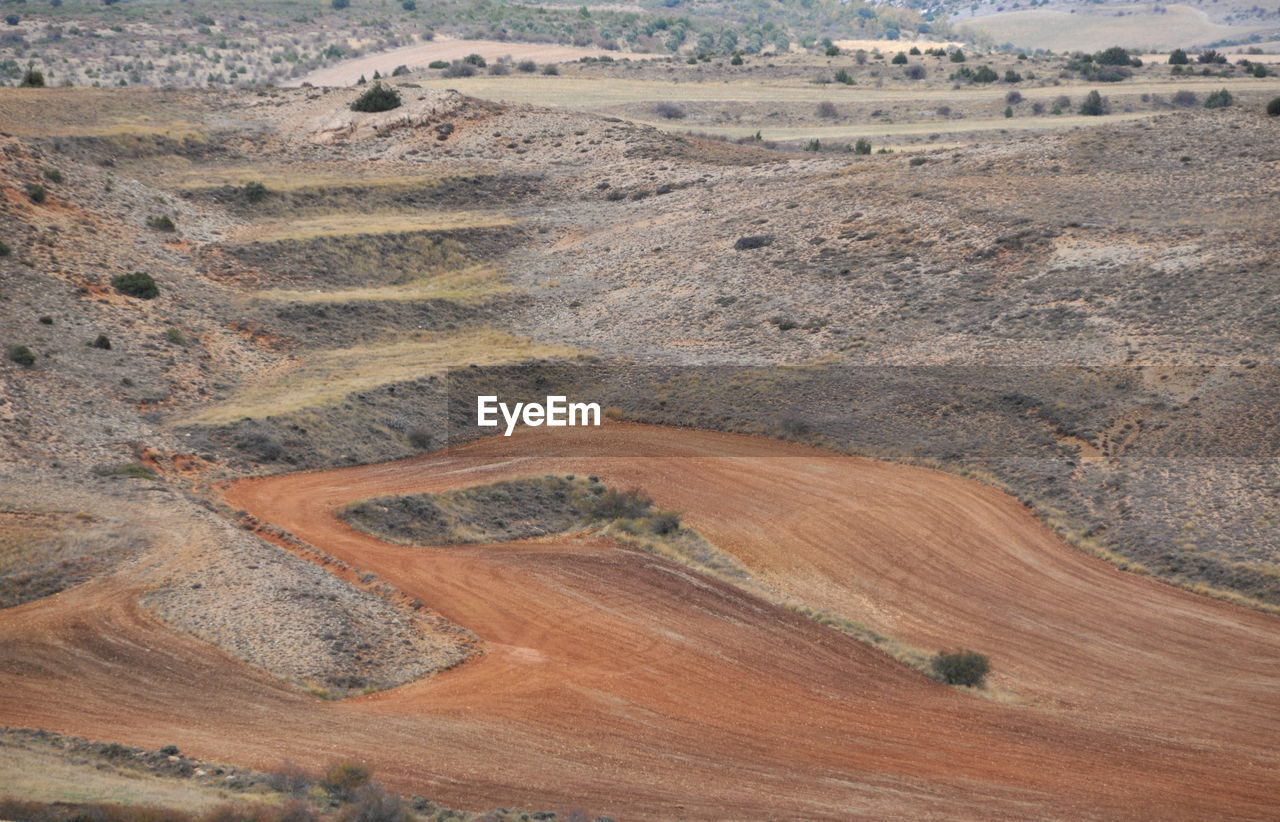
328 376
461 285
385 222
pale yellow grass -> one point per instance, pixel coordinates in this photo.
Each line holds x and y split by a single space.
592 93
461 285
1088 30
283 178
385 222
328 376
43 776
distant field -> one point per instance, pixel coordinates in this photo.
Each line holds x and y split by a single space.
589 93
1139 28
419 55
939 126
464 284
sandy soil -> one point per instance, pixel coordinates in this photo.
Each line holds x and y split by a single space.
442 47
632 686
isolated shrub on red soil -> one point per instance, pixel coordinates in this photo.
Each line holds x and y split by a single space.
961 668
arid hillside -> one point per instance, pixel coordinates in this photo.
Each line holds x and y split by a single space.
202 286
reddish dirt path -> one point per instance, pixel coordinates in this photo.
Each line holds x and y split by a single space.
629 685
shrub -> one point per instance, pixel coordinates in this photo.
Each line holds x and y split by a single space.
5 250
984 75
1114 56
833 50
289 778
1178 57
499 69
161 223
254 191
1211 56
1218 99
53 175
339 5
1013 98
843 76
36 192
1012 76
377 98
527 66
664 522
420 438
669 111
1273 109
22 355
915 51
827 109
1008 111
475 60
615 504
1184 98
863 146
813 145
345 778
736 60
1259 70
957 56
551 69
460 69
175 336
961 668
899 59
372 803
1094 104
752 241
915 72
400 71
103 342
438 64
33 78
136 284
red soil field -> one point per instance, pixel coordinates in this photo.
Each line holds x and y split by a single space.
625 684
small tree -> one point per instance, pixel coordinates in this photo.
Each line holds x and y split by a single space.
1273 108
961 668
1218 99
1178 57
899 59
1114 56
33 78
36 192
863 146
377 98
136 284
1093 105
957 56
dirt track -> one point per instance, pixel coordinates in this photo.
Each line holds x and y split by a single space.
628 685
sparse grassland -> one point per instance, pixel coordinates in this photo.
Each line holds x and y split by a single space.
458 285
327 376
387 222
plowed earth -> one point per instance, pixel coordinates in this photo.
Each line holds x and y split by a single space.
623 683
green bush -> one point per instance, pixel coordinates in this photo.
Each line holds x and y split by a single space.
1178 57
53 175
5 250
1273 109
103 342
377 98
863 146
1093 104
1114 56
957 56
961 668
36 192
22 355
161 223
899 59
254 191
1218 99
344 779
475 60
438 64
527 66
136 284
33 78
